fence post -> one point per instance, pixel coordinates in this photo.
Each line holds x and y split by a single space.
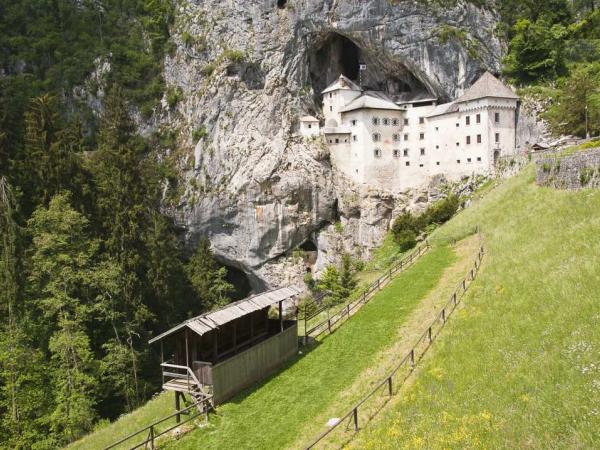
348 308
444 315
390 386
379 283
364 296
472 275
329 324
464 284
355 414
390 274
429 334
454 298
401 262
152 437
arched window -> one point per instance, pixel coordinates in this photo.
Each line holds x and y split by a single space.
375 120
395 122
377 153
376 137
396 153
385 121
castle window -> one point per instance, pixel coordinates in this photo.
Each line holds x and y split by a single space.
478 118
376 137
396 137
353 122
386 121
420 165
406 137
375 120
405 152
458 161
497 117
468 160
468 140
479 158
407 163
437 129
422 152
437 146
309 125
337 141
437 163
396 153
479 139
457 144
405 121
395 122
468 120
421 136
330 141
421 120
377 153
331 108
330 94
355 138
497 137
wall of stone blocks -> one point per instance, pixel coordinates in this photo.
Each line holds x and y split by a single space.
577 171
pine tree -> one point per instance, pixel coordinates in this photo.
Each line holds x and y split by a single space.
207 278
347 276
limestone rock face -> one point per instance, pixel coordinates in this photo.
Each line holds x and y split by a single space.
247 70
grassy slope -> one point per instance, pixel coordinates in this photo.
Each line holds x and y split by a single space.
271 415
519 366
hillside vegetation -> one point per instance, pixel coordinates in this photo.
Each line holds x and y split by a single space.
519 366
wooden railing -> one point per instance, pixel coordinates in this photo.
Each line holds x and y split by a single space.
153 431
345 311
175 371
406 366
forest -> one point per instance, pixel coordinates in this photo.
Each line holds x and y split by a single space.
90 265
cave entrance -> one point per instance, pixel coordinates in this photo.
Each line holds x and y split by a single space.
334 55
281 3
240 282
310 254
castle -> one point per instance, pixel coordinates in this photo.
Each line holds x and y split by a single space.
401 143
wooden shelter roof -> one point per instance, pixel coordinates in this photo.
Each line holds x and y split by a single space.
209 321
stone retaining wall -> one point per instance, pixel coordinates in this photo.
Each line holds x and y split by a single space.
576 171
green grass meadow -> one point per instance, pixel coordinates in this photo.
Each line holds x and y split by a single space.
519 365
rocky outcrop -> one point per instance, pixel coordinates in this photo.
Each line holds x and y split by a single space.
245 71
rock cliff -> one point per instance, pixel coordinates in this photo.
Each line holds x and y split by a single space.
239 78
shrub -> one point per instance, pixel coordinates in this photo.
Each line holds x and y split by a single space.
406 240
174 95
234 55
199 134
208 69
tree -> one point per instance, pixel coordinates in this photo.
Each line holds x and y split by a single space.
207 278
329 284
536 51
578 92
347 276
61 272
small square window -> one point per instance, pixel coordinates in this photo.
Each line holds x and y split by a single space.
497 137
353 121
422 152
405 152
330 94
468 140
337 141
407 163
420 165
330 141
437 163
355 138
421 120
386 121
497 117
478 118
396 137
331 108
457 144
405 121
376 137
396 153
309 125
468 160
437 146
375 120
479 158
457 125
377 153
458 161
395 122
421 136
468 120
479 139
406 137
437 129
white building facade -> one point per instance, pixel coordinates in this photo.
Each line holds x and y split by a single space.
396 145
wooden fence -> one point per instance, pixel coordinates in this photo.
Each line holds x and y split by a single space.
368 406
351 307
153 431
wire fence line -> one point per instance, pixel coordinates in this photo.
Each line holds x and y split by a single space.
368 407
346 311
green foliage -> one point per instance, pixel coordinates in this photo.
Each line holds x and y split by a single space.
338 283
208 69
578 94
207 278
235 56
536 51
174 96
586 175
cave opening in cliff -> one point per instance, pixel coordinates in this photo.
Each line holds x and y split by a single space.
281 3
240 281
332 54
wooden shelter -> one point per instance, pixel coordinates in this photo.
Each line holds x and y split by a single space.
224 351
